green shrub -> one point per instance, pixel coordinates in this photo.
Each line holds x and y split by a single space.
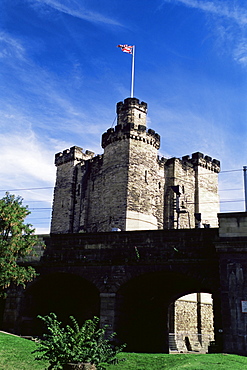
72 344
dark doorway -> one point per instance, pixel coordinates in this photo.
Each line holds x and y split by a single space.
65 295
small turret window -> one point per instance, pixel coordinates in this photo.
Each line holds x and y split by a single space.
140 115
146 176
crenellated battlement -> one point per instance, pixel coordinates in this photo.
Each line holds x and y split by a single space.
129 131
75 153
199 159
131 103
98 159
132 111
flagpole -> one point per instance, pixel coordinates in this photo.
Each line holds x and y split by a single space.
132 72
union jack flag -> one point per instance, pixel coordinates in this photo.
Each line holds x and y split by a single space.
126 48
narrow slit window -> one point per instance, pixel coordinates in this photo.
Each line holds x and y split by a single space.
146 176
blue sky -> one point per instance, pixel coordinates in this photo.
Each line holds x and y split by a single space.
62 75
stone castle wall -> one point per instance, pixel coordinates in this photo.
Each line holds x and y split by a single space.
193 327
186 317
111 190
179 173
145 187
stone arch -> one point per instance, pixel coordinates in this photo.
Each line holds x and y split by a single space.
65 294
142 306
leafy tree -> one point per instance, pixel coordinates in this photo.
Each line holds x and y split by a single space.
16 242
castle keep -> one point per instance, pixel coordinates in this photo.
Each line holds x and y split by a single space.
129 187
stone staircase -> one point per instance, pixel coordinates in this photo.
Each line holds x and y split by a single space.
189 342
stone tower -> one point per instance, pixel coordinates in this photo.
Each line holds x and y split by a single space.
129 187
122 189
191 192
133 173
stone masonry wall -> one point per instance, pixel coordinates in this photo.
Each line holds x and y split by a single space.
208 198
107 206
197 178
183 175
88 194
66 188
145 184
186 318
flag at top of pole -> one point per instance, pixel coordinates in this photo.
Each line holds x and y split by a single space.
130 49
126 48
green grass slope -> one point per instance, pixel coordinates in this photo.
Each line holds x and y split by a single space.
16 353
135 361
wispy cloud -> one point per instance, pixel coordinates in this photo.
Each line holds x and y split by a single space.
75 9
240 52
44 99
230 23
227 9
26 158
11 47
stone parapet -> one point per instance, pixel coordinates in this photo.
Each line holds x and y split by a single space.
75 153
131 247
233 224
128 131
130 103
199 159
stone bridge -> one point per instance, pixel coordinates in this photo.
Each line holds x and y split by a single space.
130 279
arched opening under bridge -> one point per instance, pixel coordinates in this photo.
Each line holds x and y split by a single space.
191 323
62 293
142 309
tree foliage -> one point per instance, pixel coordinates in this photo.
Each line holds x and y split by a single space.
17 240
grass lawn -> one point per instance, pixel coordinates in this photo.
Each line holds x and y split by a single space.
15 353
144 361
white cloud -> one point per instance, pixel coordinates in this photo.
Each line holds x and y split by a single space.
226 9
240 53
228 23
27 168
75 9
11 47
25 159
42 230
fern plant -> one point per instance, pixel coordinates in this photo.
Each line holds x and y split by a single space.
74 344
